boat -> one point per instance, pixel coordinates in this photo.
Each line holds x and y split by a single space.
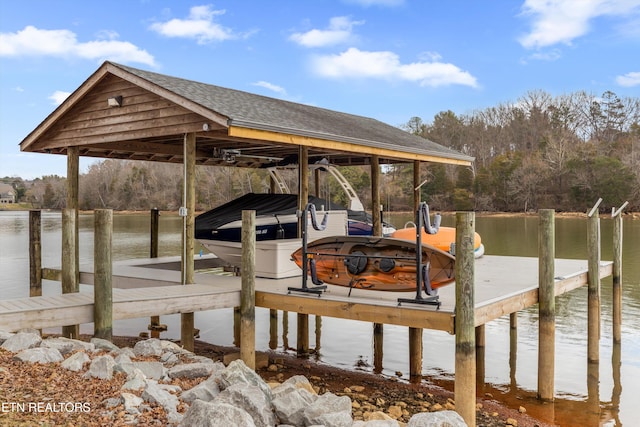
375 263
276 218
443 239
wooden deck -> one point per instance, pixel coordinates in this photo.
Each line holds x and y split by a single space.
151 287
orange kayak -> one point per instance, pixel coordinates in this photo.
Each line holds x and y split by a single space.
375 263
441 240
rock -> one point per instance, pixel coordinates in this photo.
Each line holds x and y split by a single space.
252 400
169 359
394 411
290 402
376 423
76 361
238 372
437 419
150 347
131 402
126 351
212 414
191 370
101 367
297 381
153 370
206 391
135 381
377 416
329 410
153 393
4 335
172 347
123 364
39 355
21 341
102 344
512 422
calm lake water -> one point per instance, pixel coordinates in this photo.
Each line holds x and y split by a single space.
610 398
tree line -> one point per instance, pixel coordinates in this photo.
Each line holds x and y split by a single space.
541 151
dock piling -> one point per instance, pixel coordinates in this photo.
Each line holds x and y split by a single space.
546 305
103 286
248 290
593 293
35 253
465 367
70 275
617 273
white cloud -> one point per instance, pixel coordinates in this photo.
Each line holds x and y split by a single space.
199 25
339 31
629 79
355 63
59 96
32 41
562 21
275 88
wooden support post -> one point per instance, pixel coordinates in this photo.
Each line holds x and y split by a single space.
546 305
70 234
273 329
154 323
236 327
248 290
378 347
480 352
593 293
302 342
465 386
303 184
318 334
187 319
415 360
316 182
375 196
103 267
617 275
285 330
513 347
70 281
415 353
35 254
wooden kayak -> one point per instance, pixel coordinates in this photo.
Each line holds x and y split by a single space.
441 240
375 263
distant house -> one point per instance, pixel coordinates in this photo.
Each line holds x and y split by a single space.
7 194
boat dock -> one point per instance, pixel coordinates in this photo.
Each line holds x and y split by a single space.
150 287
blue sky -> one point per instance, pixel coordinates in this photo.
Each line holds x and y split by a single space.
386 59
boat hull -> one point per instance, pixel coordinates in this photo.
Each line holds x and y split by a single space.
375 263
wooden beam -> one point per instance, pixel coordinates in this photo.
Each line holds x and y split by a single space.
103 268
187 318
547 305
248 290
375 196
347 147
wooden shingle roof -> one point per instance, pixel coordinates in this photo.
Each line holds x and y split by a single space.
157 110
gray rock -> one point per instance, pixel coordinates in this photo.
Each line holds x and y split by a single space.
4 335
153 370
102 344
22 341
62 346
376 423
191 370
169 359
39 355
437 419
238 372
206 391
131 402
289 403
173 347
212 414
150 347
111 402
135 381
76 361
153 393
101 367
194 358
295 382
251 399
329 410
126 351
123 364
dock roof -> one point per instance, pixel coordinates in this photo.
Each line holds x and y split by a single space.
150 113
